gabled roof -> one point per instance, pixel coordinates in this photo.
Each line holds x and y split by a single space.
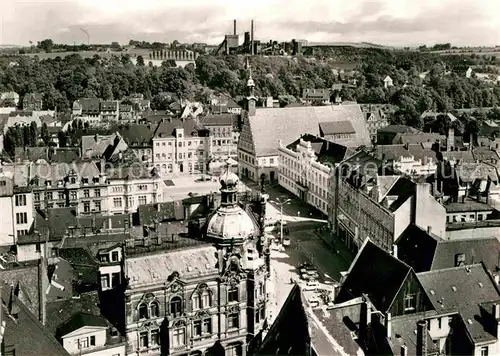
292 340
272 124
417 248
417 138
136 134
468 290
396 152
156 268
162 211
384 185
325 150
166 128
398 129
79 321
485 250
26 335
452 289
219 120
336 128
376 273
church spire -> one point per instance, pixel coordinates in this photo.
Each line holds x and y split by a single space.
251 100
250 82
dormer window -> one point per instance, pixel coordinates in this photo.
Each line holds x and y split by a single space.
48 183
460 259
73 180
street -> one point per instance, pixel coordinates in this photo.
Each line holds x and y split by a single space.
306 245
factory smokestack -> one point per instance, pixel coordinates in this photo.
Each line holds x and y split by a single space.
234 25
251 39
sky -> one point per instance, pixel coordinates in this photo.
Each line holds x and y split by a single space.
387 22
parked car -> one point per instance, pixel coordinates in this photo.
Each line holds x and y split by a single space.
311 285
314 301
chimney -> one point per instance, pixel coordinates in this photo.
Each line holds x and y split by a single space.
388 325
42 290
234 29
395 250
364 320
422 338
251 39
496 311
110 224
96 137
404 350
429 229
406 146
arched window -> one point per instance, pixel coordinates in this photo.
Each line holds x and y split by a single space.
205 300
196 301
175 306
143 311
154 309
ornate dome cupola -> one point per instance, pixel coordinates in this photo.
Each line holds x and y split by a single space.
230 224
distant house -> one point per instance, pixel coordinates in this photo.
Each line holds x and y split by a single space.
388 82
335 130
33 101
468 73
310 96
10 99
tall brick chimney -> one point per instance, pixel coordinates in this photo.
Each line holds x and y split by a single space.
422 338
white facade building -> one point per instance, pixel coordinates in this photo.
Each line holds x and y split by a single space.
180 147
16 211
305 168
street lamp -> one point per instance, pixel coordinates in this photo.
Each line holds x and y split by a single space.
281 203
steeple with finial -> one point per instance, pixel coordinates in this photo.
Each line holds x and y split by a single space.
251 100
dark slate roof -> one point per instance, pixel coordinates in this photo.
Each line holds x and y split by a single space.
80 320
65 155
167 211
191 128
219 120
26 335
439 287
77 256
395 152
334 128
26 277
325 150
136 134
398 129
466 206
417 138
417 248
60 311
404 329
340 322
31 153
477 250
376 273
282 337
464 290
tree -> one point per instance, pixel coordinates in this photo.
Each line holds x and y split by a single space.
140 61
62 138
45 135
47 45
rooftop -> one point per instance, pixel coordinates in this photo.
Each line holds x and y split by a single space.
469 205
272 124
336 128
25 334
188 262
376 273
325 150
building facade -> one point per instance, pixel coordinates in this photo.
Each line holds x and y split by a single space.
17 211
207 297
180 147
304 171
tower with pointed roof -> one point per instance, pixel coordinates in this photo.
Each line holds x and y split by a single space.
251 100
241 261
